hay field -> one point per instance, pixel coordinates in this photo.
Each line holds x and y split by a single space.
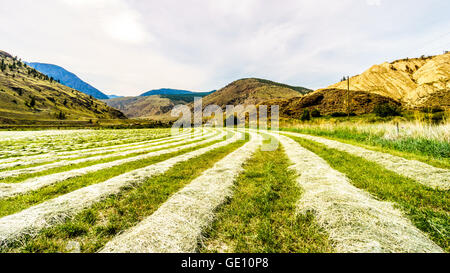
218 190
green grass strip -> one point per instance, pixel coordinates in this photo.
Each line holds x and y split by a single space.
15 204
427 208
94 227
261 216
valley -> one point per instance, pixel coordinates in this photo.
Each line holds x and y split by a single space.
362 166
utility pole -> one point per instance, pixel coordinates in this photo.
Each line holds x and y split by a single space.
348 96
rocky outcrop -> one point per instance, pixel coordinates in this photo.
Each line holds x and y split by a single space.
411 81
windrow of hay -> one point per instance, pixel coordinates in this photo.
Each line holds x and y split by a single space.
52 156
28 223
354 220
117 153
425 174
35 183
178 224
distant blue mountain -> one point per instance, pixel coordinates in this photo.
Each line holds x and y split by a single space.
168 91
68 79
114 96
165 91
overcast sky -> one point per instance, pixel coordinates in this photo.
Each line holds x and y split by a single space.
126 47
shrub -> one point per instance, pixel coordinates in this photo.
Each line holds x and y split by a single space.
33 102
438 117
315 113
306 115
338 114
61 116
386 110
431 110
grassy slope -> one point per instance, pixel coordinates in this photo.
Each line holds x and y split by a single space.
17 88
427 208
261 216
96 226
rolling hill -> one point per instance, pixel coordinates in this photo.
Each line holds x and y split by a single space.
414 82
28 96
331 101
68 79
150 107
253 91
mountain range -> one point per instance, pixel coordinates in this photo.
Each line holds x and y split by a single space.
168 91
158 103
154 104
68 79
28 96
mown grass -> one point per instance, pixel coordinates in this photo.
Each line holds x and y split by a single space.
23 177
129 147
68 143
15 204
436 153
94 227
428 209
261 216
20 167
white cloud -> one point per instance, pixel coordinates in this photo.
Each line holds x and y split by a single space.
129 46
124 27
116 17
373 2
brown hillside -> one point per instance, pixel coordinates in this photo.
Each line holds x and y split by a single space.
142 107
252 91
411 81
329 101
27 95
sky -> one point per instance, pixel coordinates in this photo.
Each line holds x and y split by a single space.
126 47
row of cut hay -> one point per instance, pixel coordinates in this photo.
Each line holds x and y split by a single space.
28 223
178 224
423 173
36 159
354 220
12 189
121 152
